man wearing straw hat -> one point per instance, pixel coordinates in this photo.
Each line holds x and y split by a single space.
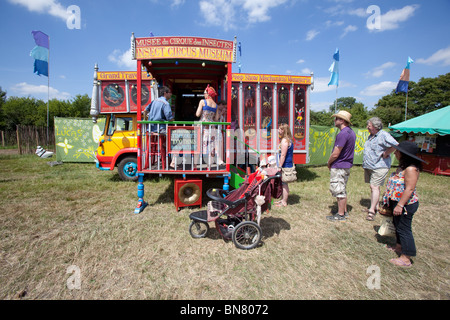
340 162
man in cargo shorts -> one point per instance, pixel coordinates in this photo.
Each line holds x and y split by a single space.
376 161
340 162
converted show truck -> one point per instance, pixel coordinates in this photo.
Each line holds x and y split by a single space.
256 105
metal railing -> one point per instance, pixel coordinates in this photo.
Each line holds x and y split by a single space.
183 146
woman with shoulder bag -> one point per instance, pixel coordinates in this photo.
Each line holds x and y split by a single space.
289 174
402 199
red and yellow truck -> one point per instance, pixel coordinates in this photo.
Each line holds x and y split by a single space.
256 105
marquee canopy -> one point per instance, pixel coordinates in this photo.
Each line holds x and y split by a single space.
436 122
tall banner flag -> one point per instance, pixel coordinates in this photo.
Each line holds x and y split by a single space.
40 53
403 83
334 69
240 55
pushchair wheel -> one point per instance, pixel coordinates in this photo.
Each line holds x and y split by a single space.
198 229
246 235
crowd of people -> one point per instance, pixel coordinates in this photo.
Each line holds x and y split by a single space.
400 196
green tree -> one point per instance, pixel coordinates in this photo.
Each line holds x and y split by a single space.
358 111
427 95
21 111
30 111
80 106
2 102
321 118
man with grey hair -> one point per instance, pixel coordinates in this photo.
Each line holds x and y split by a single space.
376 161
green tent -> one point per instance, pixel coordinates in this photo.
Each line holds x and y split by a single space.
436 122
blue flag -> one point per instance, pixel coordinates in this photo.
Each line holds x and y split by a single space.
40 53
403 83
334 69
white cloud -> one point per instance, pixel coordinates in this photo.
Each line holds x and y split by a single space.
321 85
123 59
360 12
311 34
41 92
177 3
257 10
379 71
321 106
440 56
391 19
218 13
379 89
348 29
330 23
306 71
300 61
228 13
51 7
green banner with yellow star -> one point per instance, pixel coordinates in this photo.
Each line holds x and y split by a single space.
76 139
321 144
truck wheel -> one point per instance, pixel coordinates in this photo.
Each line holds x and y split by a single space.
128 170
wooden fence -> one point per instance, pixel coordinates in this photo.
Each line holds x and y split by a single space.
27 138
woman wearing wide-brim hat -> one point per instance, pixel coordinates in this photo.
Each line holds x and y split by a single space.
402 198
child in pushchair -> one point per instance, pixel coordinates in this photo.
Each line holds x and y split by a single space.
235 212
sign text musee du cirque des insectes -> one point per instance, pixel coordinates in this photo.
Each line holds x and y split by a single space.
184 47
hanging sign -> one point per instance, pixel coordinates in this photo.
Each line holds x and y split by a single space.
184 47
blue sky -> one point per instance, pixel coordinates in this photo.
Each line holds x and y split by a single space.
277 36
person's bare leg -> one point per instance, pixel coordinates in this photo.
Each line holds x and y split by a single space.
285 194
374 198
342 206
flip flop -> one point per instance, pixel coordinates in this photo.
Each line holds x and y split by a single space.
400 263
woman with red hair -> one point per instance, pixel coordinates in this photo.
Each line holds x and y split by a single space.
208 112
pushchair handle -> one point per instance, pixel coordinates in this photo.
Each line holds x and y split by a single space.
220 194
216 194
277 175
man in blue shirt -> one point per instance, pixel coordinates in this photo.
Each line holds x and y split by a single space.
376 161
160 110
340 162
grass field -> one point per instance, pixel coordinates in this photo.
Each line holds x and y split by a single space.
55 220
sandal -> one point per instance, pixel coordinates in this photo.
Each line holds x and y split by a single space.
371 216
400 263
393 249
368 210
280 204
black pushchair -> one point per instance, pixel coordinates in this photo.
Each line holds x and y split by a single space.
236 214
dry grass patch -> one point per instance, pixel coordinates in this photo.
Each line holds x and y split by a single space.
55 217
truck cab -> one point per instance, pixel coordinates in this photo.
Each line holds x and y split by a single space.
114 97
118 146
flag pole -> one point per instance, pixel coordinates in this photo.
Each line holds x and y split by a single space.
48 89
406 103
335 101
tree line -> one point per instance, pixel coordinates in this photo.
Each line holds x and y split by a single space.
28 111
428 94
